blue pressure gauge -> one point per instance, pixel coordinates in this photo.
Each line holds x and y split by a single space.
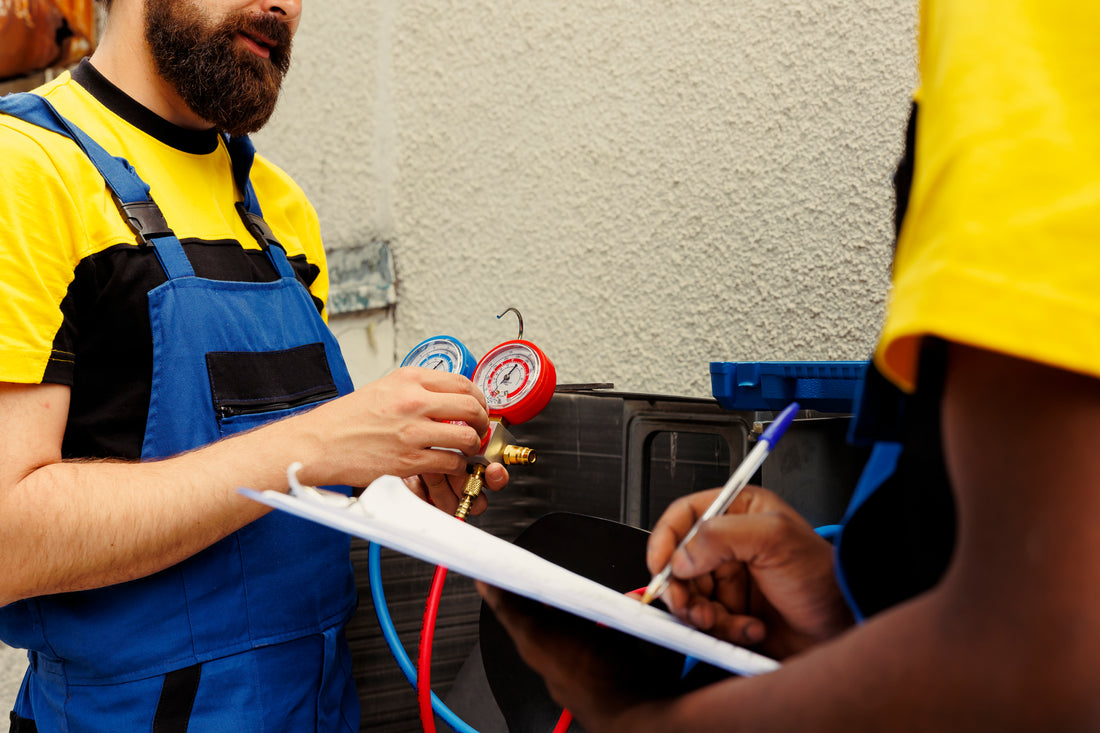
442 353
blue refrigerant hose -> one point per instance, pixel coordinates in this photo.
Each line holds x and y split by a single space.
374 567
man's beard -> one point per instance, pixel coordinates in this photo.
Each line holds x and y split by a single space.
219 80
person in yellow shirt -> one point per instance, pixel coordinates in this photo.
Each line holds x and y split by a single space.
163 341
964 593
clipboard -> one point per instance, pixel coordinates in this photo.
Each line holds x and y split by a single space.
391 515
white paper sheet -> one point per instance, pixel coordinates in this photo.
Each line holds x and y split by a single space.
389 514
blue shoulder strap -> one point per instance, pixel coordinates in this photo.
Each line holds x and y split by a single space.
242 152
132 194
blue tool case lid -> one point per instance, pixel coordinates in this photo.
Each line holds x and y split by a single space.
826 386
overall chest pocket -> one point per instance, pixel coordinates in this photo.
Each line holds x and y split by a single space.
252 388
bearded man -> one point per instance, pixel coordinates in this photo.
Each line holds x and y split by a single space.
162 320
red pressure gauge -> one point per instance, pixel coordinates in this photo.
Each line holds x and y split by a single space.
518 380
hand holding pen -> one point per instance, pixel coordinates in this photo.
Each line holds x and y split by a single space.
733 486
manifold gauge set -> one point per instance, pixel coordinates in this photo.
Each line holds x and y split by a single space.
516 377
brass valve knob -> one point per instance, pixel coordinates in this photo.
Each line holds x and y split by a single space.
470 491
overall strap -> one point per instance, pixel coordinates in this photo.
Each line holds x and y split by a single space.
130 192
241 153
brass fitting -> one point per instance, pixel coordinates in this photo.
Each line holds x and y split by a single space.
500 448
516 455
471 490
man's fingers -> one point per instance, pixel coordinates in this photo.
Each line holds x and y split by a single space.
673 526
416 485
731 537
496 477
454 397
738 629
439 488
682 514
441 434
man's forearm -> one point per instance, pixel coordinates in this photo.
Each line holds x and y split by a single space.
916 668
75 525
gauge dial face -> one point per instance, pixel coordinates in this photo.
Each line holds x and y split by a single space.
517 380
510 376
441 353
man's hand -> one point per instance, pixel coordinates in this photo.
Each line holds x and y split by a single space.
444 490
603 676
394 426
758 575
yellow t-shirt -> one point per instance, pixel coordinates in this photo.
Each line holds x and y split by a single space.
63 239
1000 247
73 277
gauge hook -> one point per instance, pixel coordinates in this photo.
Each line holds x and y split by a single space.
519 316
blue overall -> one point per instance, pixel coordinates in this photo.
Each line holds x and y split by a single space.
898 532
246 635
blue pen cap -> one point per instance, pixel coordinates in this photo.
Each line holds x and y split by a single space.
779 426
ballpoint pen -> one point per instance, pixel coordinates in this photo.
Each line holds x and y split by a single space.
737 481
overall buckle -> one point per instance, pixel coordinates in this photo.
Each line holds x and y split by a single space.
145 219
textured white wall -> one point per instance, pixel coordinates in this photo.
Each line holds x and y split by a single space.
654 184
